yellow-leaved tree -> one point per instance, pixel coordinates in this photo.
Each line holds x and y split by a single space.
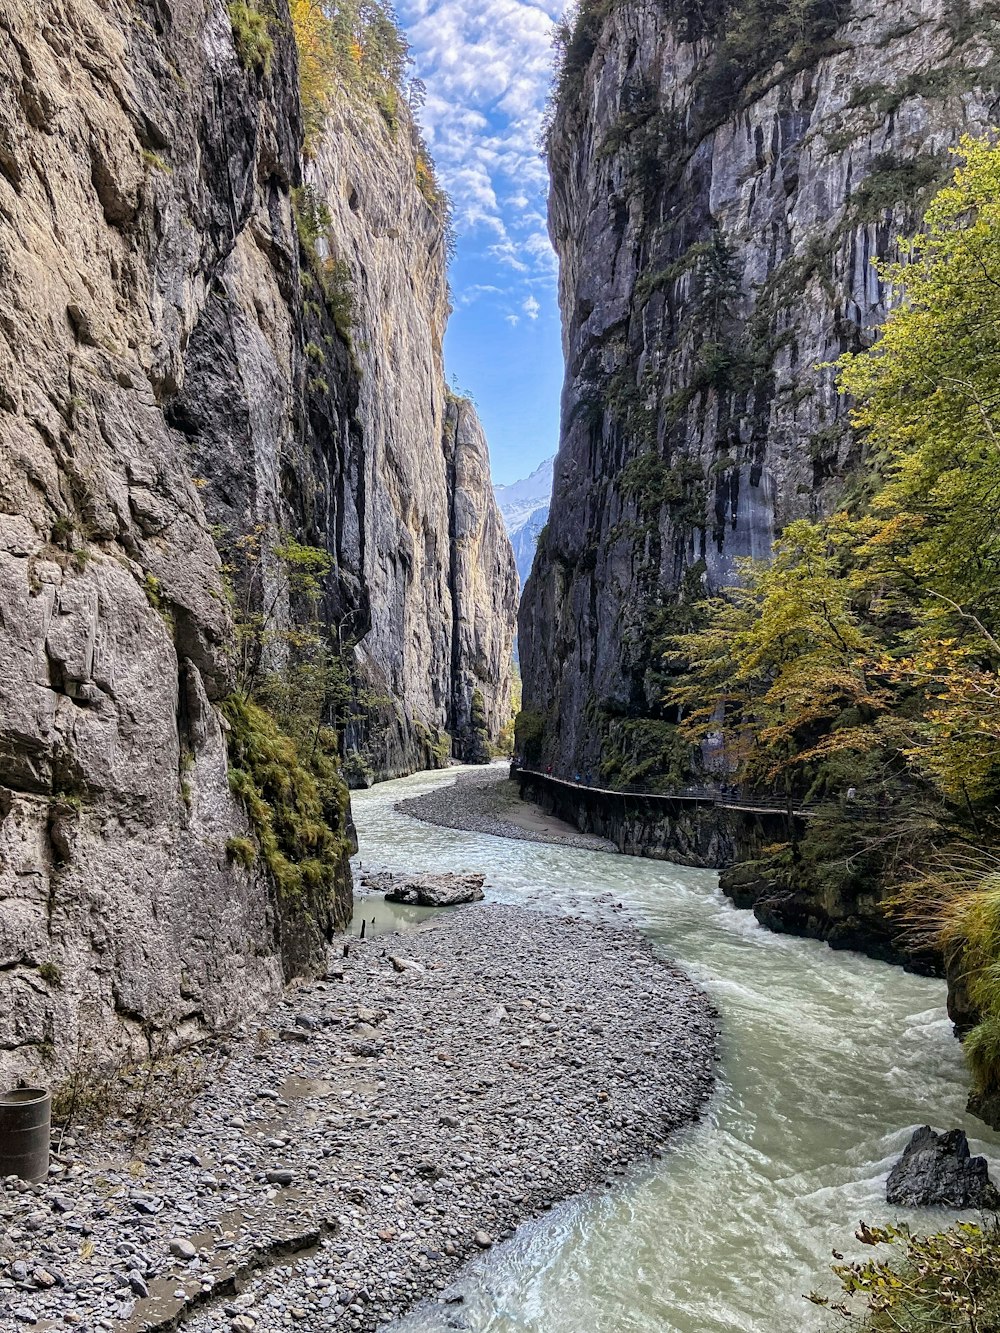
867 652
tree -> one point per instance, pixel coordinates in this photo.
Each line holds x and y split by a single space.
350 44
876 633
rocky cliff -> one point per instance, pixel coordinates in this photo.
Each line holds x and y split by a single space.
219 439
722 178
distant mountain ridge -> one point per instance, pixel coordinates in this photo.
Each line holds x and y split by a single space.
525 508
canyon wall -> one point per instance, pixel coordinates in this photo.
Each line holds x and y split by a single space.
719 192
183 413
722 179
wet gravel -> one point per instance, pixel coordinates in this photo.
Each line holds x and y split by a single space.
481 802
343 1161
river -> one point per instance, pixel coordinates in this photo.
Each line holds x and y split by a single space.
829 1060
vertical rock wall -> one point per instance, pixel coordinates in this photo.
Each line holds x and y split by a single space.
426 574
159 395
716 221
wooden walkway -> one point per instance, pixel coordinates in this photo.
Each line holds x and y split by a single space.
692 795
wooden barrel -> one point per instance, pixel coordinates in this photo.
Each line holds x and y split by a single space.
25 1115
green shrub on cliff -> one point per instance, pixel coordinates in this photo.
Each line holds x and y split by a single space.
477 745
283 753
529 735
251 35
955 904
295 801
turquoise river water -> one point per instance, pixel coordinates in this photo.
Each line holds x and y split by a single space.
829 1060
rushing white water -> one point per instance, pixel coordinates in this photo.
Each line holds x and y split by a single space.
829 1060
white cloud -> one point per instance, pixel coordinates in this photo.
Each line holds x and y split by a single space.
487 66
473 293
531 308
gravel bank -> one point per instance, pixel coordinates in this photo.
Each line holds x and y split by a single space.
342 1162
484 801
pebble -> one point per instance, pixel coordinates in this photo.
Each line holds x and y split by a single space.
477 803
395 1160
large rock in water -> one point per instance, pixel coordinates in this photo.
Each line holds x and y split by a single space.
937 1170
429 890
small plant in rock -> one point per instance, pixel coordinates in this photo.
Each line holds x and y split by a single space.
312 215
155 162
62 531
253 41
338 290
241 851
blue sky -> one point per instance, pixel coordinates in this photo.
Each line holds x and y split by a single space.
487 67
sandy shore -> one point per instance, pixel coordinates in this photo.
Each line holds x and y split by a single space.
338 1165
486 801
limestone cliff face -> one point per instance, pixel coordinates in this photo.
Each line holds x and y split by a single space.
160 399
483 576
432 554
718 196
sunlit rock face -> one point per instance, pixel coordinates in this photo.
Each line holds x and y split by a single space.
161 397
716 239
429 546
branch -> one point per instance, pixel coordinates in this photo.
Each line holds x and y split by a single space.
967 615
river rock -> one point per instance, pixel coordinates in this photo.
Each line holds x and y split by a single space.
937 1170
429 890
400 1168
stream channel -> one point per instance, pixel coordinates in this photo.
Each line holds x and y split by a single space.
829 1061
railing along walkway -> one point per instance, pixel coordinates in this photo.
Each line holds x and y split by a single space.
695 795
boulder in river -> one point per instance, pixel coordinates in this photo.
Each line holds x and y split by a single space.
428 890
937 1170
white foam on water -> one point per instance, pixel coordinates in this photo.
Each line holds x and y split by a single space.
829 1060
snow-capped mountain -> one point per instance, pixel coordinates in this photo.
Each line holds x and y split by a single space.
525 508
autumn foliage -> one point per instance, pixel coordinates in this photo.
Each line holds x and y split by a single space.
866 654
346 44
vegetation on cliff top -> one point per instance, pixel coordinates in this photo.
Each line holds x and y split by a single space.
357 47
749 39
353 44
869 649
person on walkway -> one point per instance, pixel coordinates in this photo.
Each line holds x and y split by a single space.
576 779
590 779
549 770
